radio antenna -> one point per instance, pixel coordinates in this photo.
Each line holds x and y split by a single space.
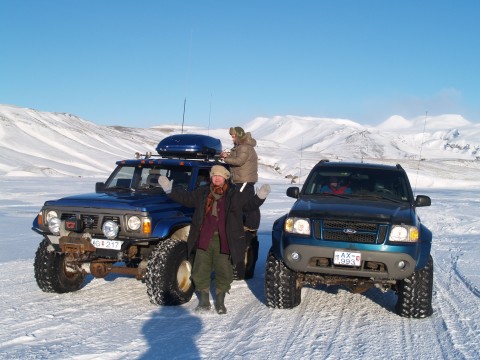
301 157
183 118
421 148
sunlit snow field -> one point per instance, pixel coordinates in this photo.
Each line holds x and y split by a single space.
112 318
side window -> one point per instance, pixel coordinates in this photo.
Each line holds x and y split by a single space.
313 185
203 177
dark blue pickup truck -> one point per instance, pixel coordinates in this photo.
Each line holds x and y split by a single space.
129 226
360 232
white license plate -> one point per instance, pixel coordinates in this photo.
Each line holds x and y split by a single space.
107 244
347 258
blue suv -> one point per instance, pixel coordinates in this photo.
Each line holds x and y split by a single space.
129 226
363 232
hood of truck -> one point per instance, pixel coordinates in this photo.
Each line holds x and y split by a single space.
315 207
130 201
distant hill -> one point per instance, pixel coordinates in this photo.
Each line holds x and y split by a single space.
58 144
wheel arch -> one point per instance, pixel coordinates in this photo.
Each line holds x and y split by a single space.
277 237
172 227
425 247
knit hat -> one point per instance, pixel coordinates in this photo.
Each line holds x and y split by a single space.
237 131
220 170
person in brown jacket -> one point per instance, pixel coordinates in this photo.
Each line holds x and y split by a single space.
243 162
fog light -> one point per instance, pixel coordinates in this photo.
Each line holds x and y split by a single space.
110 229
295 256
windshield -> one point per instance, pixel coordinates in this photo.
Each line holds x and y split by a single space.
146 178
362 182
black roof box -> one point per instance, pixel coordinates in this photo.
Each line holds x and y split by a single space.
189 146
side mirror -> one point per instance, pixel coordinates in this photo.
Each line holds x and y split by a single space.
422 200
99 187
293 192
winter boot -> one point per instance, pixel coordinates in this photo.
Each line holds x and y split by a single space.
219 304
204 304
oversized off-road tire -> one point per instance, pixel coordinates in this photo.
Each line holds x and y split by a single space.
246 269
50 271
282 290
415 293
168 274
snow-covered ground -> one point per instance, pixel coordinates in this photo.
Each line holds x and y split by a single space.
112 318
48 155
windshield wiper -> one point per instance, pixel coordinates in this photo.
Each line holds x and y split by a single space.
151 188
115 188
379 197
343 196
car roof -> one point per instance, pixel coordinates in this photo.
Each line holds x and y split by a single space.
339 164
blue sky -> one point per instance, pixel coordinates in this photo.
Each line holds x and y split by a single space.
133 63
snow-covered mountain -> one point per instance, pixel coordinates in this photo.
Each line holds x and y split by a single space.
112 318
58 144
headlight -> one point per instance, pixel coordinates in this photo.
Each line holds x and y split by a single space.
50 215
54 224
404 233
134 223
110 229
297 226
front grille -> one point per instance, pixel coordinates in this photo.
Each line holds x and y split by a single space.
349 231
90 221
342 224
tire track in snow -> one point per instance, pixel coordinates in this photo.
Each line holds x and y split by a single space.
457 311
351 320
475 291
45 326
254 317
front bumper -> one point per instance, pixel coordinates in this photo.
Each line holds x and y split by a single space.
81 243
374 264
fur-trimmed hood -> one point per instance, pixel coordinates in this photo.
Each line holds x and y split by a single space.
247 140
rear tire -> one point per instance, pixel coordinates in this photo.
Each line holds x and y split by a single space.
415 293
50 271
168 276
282 290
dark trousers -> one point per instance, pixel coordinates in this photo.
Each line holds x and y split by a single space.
251 219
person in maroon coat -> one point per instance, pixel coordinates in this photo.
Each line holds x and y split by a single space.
216 231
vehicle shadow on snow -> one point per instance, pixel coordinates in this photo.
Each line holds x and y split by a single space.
171 333
109 278
385 300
